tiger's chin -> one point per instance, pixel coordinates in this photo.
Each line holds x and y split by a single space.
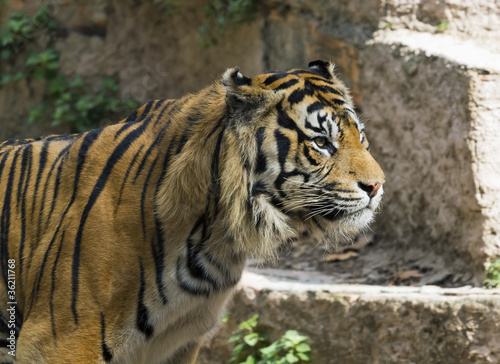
329 232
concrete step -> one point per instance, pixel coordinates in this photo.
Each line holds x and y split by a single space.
367 324
433 103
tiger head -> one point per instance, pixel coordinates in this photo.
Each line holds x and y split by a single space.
307 157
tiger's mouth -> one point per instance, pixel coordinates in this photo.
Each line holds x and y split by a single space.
334 214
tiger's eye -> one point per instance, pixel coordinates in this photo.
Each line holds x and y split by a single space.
321 141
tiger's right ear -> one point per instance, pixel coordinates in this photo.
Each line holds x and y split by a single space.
322 68
240 93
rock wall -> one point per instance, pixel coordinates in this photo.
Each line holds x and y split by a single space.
369 324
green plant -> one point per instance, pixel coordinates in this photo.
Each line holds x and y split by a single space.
254 347
69 103
168 6
65 101
493 275
219 16
443 26
20 29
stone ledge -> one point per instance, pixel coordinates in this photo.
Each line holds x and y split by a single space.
296 281
368 324
471 53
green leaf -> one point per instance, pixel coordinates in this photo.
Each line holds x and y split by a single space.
302 348
250 323
250 360
234 338
19 75
36 113
270 350
294 336
443 26
304 357
291 358
252 339
238 349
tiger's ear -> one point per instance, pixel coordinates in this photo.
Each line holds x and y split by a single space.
240 93
322 68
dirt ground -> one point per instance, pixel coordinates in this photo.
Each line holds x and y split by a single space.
369 261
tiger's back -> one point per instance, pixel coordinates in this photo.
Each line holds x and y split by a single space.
57 192
128 240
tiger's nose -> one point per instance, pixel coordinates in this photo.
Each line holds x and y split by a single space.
371 188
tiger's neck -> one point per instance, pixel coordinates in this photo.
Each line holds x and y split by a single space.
202 200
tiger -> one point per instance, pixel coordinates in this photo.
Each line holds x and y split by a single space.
124 244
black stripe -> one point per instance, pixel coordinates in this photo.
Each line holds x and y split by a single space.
165 108
311 160
193 263
274 77
287 122
158 244
125 127
3 161
303 72
145 112
124 180
217 126
185 286
24 167
261 162
57 183
142 320
131 117
98 188
182 141
309 126
5 219
41 167
144 198
283 176
315 106
47 184
158 251
287 84
159 103
53 287
319 79
38 280
329 89
283 145
25 164
148 152
106 352
4 327
296 96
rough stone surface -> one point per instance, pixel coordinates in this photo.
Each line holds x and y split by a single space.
484 144
152 55
369 324
427 135
467 18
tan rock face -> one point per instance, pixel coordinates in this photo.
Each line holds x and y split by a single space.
369 324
